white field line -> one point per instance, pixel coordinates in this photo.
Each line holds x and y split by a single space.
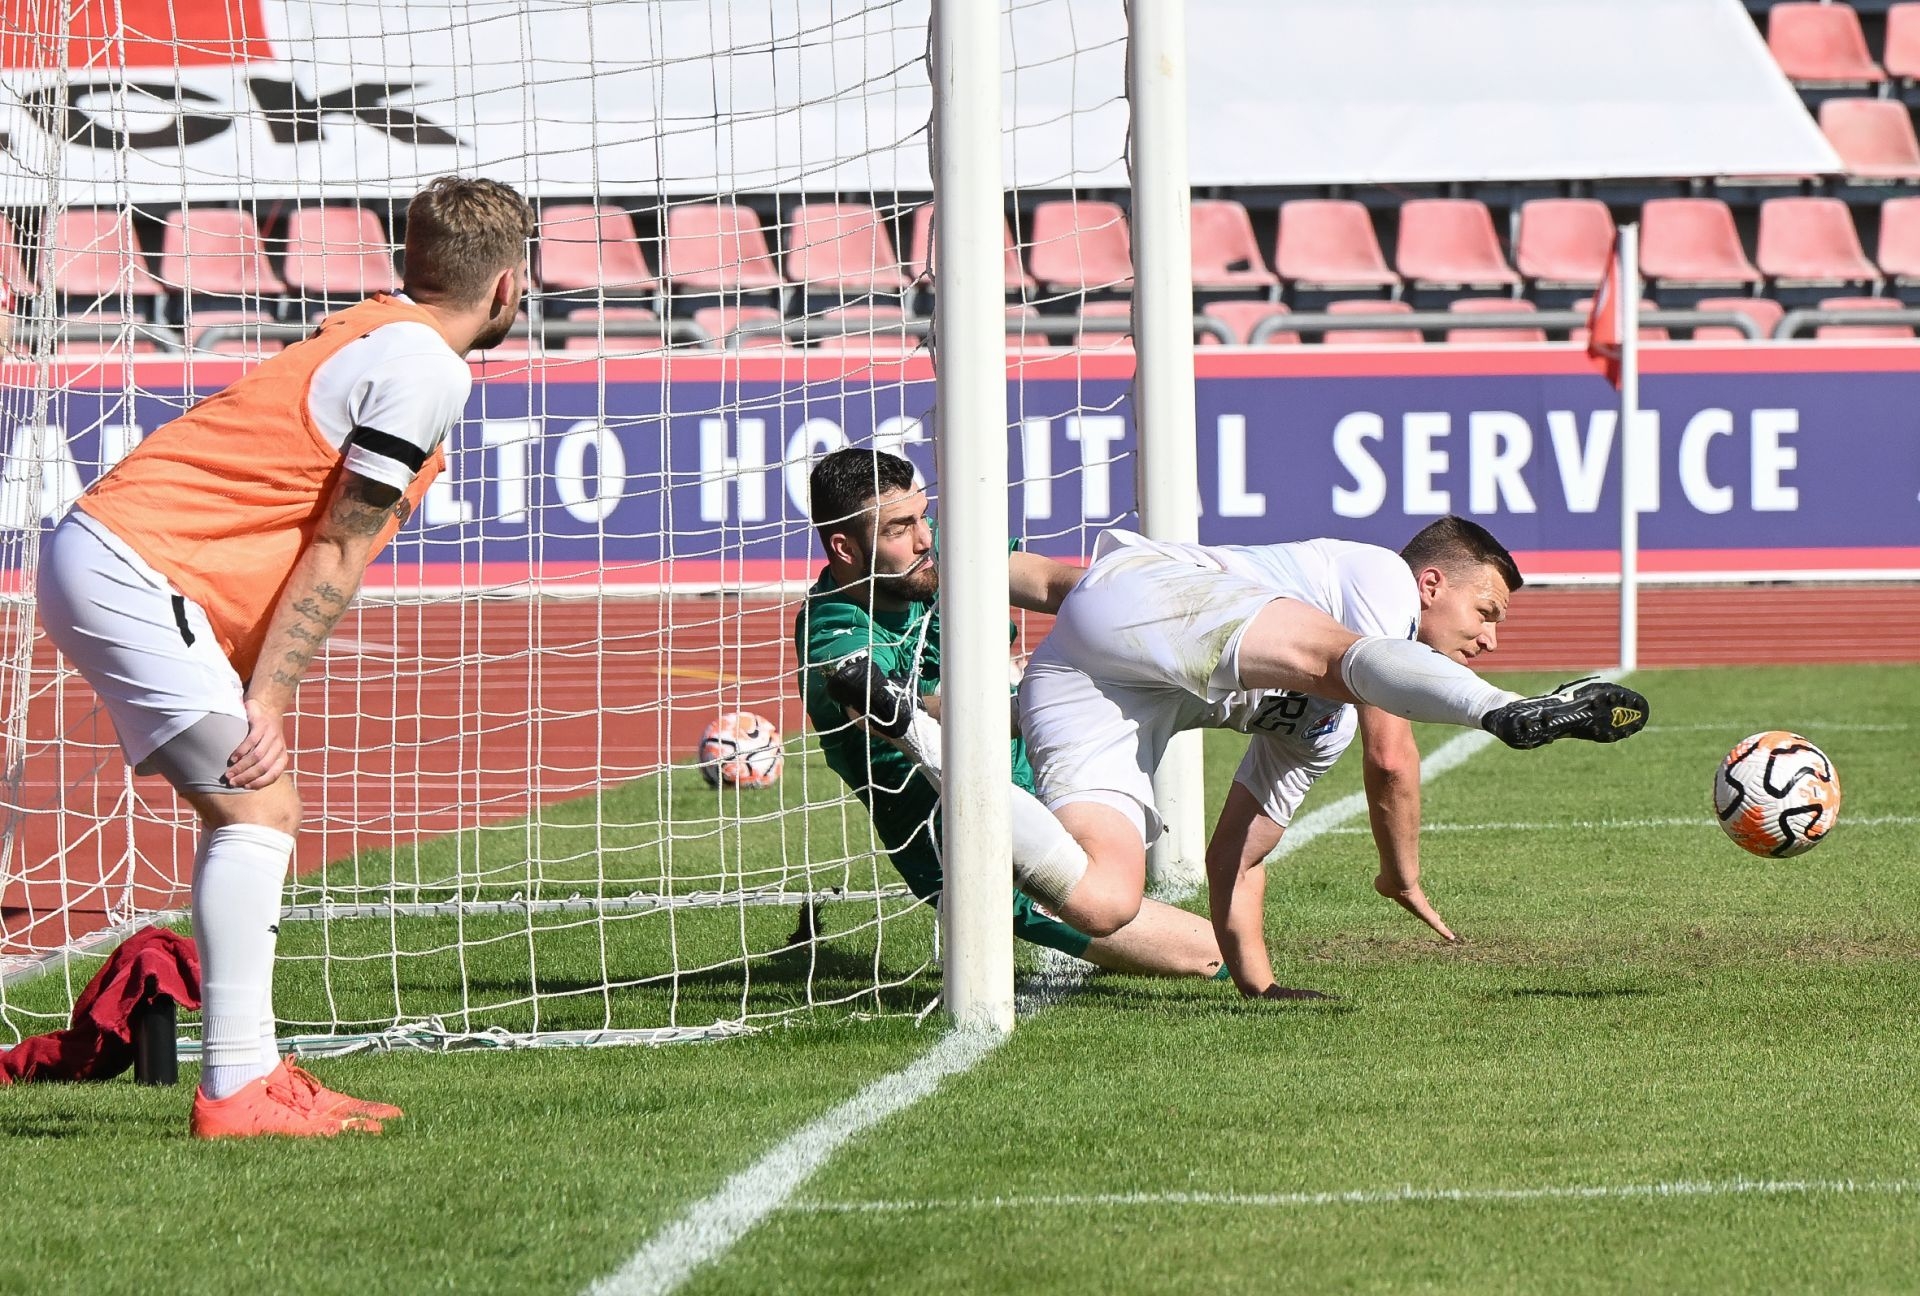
1385 1196
709 1228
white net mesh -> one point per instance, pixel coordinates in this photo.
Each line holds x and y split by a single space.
506 838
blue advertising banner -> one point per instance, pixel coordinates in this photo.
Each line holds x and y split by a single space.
1762 461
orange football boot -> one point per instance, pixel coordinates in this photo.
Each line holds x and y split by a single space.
275 1104
334 1103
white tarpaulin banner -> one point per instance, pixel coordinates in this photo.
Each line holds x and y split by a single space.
154 100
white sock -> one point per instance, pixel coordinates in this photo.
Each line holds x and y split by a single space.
269 1030
1047 862
236 916
1412 680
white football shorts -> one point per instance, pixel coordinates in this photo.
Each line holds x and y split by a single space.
146 650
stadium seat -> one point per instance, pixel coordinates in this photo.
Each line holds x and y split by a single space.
1081 247
592 248
1898 251
13 271
1861 332
1874 138
870 330
742 327
1811 240
1814 42
1105 339
1902 54
1226 256
1450 241
614 343
1370 337
1692 240
93 256
216 252
1493 306
249 343
717 247
1022 338
337 254
1564 242
843 247
1647 332
1763 311
920 253
1330 244
105 334
1243 317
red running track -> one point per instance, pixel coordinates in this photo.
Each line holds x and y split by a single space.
428 718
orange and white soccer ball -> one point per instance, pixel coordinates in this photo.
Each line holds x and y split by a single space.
1776 794
741 749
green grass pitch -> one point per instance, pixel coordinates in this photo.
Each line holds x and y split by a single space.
1656 1064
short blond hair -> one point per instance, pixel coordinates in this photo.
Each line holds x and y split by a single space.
461 233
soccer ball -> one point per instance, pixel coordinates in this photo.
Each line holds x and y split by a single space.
1776 794
741 749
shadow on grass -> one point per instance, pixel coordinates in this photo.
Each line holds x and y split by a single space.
1548 992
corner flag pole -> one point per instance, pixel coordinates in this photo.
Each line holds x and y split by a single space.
1629 305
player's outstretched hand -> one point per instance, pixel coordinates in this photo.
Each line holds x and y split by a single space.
1414 901
261 756
1277 991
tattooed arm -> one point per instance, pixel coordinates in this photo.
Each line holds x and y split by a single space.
323 582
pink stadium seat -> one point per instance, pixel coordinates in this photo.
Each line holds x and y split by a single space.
93 254
1648 332
1564 241
1226 257
13 271
1820 42
1105 339
1874 138
590 246
1763 311
106 334
249 343
1450 241
870 330
216 252
717 247
1692 240
1243 317
1081 247
1861 332
334 253
842 246
1330 243
1493 306
1903 41
724 322
1370 337
1899 250
920 252
615 343
1811 240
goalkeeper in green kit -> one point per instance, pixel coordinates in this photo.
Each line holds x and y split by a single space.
878 595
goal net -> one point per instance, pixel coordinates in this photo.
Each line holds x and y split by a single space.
507 837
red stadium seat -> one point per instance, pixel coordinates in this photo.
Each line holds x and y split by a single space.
1081 247
1821 42
1903 41
843 246
1105 339
726 323
1648 332
335 253
1243 317
717 247
216 252
1692 240
93 255
615 343
590 247
1450 241
1899 249
1763 311
1862 332
1370 337
1811 240
1874 138
1493 306
870 330
13 271
249 343
1564 241
1226 257
1330 243
920 252
106 334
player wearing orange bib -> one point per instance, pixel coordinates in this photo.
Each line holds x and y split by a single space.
194 583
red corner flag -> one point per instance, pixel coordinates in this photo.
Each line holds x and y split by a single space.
1603 325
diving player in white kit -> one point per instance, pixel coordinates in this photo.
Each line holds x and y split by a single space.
1299 646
